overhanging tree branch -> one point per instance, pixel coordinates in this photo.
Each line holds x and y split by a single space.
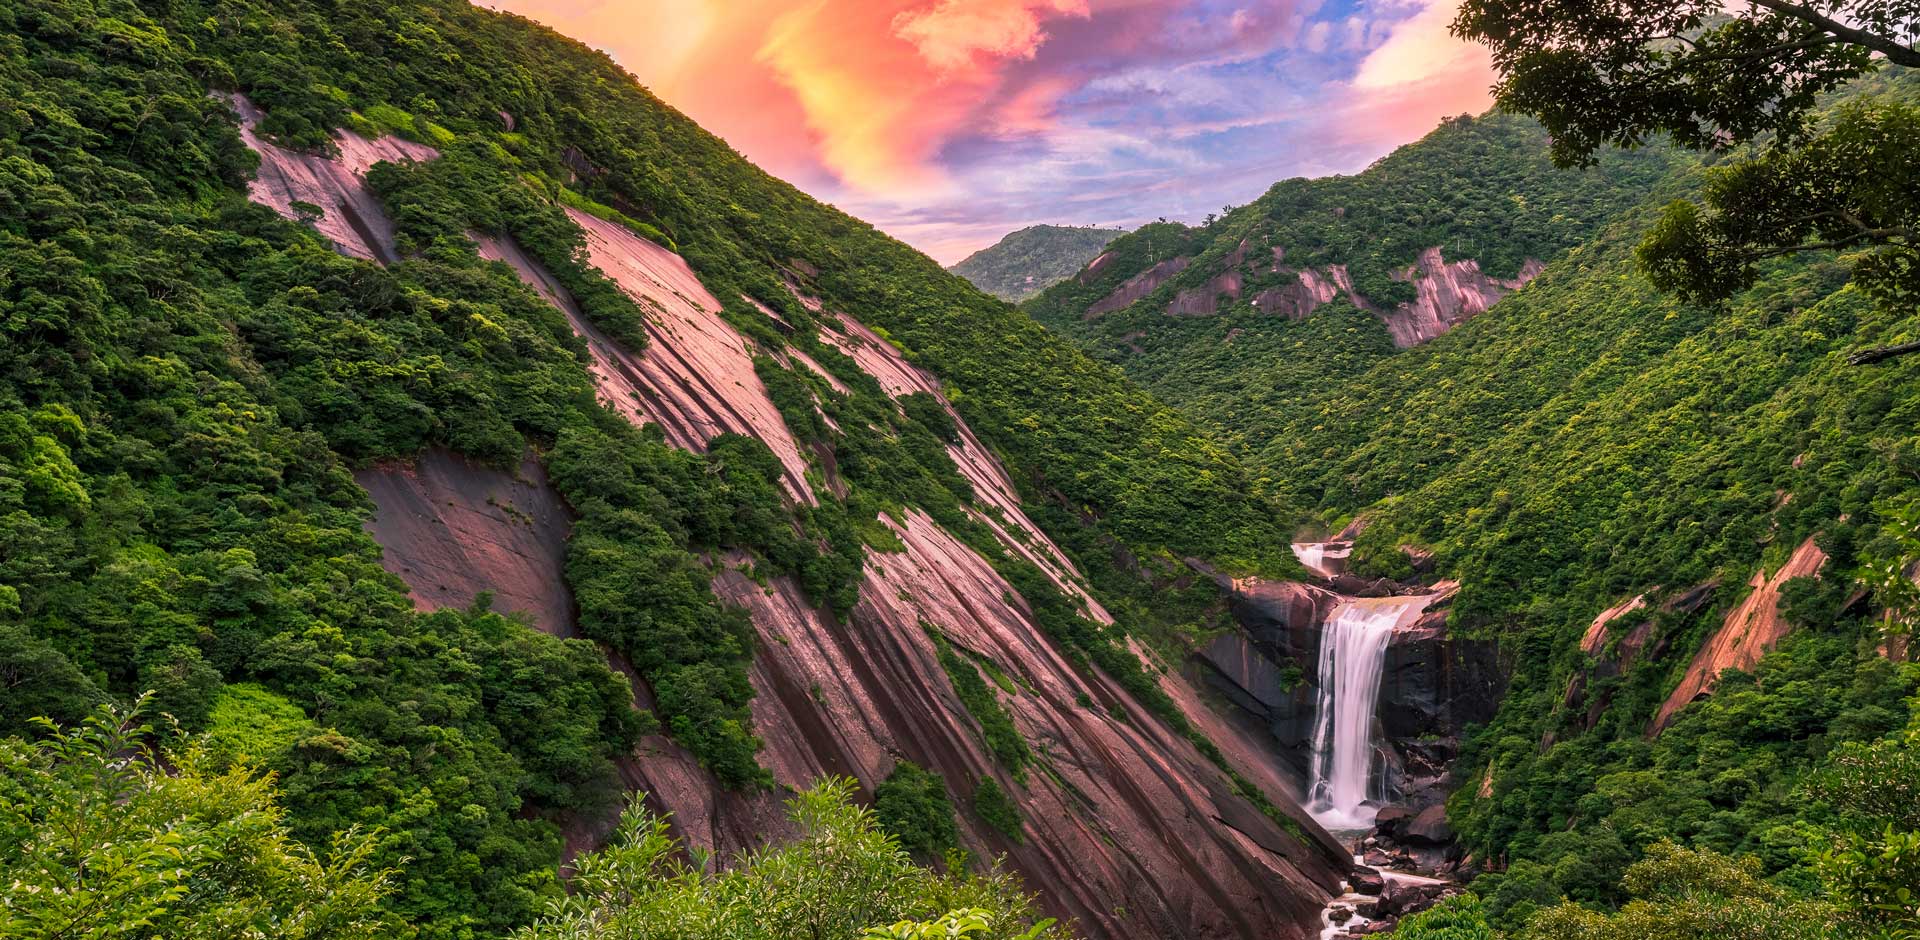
1887 46
1878 353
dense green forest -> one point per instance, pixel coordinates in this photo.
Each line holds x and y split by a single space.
1478 188
189 379
1028 261
1612 430
1589 439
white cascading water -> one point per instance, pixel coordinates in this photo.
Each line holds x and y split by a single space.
1312 555
1353 654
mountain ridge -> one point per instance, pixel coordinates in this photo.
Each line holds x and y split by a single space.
796 459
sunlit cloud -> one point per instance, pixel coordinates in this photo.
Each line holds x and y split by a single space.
950 122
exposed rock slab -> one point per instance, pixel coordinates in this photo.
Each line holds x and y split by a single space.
695 378
1747 633
1204 301
452 528
1138 286
1448 293
992 486
351 218
1131 831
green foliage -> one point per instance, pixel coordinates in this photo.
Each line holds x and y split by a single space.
912 806
1851 186
1617 73
996 725
1477 188
997 809
953 925
102 838
1621 72
841 876
1457 918
251 725
1682 894
1028 261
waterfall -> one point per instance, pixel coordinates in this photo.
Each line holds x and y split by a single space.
1353 654
1325 559
1311 554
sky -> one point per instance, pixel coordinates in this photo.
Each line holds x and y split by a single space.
949 123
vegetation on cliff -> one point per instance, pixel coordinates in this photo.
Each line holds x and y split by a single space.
186 380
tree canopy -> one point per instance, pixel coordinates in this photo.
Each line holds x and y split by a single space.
1714 77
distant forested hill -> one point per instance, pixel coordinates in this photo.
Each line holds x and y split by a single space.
1028 261
1243 320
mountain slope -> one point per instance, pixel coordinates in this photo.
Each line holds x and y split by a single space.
1028 261
1242 321
1663 514
805 488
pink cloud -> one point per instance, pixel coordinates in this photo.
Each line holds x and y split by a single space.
947 121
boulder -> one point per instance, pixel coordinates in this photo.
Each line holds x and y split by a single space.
1407 897
1366 881
1430 827
1353 585
1391 822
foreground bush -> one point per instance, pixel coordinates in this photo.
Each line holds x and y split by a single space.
842 877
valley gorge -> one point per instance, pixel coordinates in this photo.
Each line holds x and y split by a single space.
446 493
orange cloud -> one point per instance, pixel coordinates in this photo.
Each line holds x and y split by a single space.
957 35
866 90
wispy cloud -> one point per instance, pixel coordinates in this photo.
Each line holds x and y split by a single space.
950 122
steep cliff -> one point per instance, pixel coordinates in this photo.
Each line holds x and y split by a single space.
1130 829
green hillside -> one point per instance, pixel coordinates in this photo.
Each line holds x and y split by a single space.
1590 439
1477 188
187 380
1028 261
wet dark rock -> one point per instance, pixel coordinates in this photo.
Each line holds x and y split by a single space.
1430 827
1391 822
1366 881
1408 897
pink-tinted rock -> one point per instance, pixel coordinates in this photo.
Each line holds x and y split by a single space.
991 484
1747 633
695 378
1095 267
1449 293
451 528
1129 814
1204 301
351 218
697 370
1138 286
1128 817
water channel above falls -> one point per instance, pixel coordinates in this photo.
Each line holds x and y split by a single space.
1347 784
